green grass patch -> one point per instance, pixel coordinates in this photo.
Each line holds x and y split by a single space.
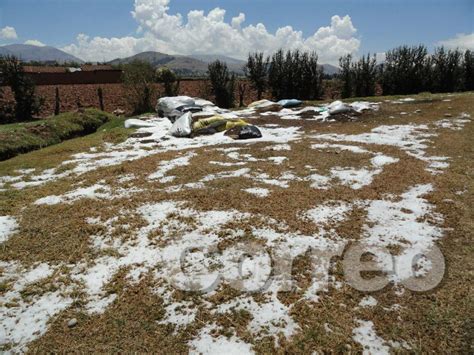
51 157
21 138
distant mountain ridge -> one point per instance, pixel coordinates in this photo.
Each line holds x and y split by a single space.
185 65
330 69
208 58
28 53
196 64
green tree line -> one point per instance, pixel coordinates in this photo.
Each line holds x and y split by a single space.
408 70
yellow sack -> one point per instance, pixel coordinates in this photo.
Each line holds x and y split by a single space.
237 123
204 122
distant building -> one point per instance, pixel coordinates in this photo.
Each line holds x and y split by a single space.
44 69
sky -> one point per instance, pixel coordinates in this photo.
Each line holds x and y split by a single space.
98 30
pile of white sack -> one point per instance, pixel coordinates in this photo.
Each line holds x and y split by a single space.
334 108
184 111
176 106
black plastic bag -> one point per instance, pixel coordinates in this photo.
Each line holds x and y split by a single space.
244 132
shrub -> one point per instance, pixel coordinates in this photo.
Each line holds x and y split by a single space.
139 78
222 84
169 80
27 104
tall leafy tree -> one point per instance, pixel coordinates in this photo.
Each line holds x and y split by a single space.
468 70
139 79
276 74
170 81
346 75
405 69
256 70
222 84
295 74
365 76
447 70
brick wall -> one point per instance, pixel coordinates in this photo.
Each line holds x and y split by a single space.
77 78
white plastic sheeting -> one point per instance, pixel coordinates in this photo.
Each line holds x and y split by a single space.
167 106
136 123
338 107
183 126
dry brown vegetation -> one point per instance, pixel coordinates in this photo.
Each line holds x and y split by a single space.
439 320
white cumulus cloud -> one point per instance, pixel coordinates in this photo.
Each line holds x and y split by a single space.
201 33
8 33
461 41
34 42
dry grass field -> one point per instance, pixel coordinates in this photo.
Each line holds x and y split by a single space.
175 245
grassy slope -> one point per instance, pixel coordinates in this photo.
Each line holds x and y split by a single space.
52 156
25 137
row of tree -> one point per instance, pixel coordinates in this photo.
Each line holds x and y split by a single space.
293 74
408 70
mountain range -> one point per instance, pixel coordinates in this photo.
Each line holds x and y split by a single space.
190 65
29 53
196 64
181 64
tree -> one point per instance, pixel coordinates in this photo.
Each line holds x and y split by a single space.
358 78
256 71
139 78
346 75
222 84
365 76
295 74
276 74
447 70
468 70
27 104
242 90
312 77
169 80
406 71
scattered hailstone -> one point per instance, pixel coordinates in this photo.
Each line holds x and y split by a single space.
368 301
258 191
